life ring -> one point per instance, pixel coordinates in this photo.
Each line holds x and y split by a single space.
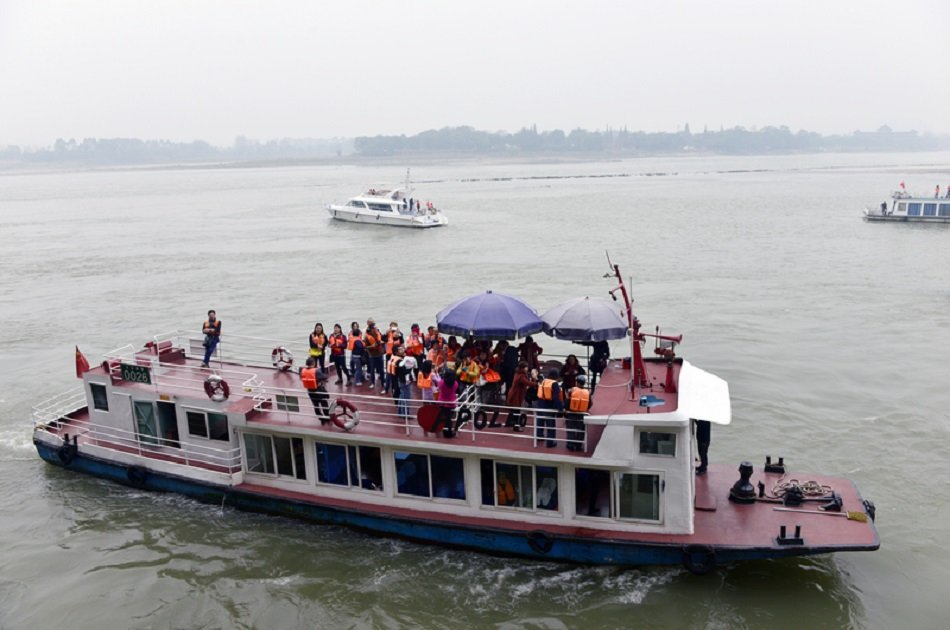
136 475
540 542
699 559
344 414
217 388
282 358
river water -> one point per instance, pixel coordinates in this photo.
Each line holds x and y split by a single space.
833 333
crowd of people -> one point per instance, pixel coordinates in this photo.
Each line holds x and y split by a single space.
442 369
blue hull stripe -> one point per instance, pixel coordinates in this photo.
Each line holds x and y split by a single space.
493 541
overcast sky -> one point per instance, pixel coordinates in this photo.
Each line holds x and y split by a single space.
183 70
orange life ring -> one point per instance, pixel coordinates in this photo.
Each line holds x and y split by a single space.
344 414
217 388
282 358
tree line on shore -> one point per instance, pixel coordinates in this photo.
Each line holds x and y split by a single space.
470 141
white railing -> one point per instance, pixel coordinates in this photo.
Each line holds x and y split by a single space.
296 408
55 408
124 441
240 349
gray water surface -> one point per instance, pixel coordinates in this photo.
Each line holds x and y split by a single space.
833 334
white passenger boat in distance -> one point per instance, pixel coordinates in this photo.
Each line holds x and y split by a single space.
909 208
389 206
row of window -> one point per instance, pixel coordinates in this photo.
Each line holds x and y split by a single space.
503 484
928 209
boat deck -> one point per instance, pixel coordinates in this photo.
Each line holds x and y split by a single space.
281 403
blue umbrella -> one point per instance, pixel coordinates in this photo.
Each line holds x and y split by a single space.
585 319
489 315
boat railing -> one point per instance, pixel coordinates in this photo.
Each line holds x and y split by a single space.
51 416
56 408
474 414
237 349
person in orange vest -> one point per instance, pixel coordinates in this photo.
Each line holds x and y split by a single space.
394 339
373 342
579 400
416 345
338 344
313 380
318 345
506 491
426 381
212 333
550 405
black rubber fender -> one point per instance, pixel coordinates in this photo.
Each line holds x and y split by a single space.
540 542
136 475
67 453
699 559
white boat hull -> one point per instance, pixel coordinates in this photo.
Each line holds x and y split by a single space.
362 215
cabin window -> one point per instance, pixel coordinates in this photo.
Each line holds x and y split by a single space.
432 476
100 397
287 403
901 207
210 425
592 492
356 204
353 466
945 209
380 207
519 485
638 496
290 458
657 443
913 209
259 453
930 209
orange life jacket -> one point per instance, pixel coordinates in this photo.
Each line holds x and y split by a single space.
423 381
414 346
506 493
580 400
393 364
546 389
308 376
216 327
372 341
317 342
337 344
391 343
351 340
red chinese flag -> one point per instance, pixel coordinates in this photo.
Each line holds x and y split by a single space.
82 366
902 185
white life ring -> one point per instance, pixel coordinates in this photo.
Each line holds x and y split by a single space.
217 388
282 358
344 414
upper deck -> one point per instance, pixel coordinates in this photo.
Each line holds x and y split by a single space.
272 399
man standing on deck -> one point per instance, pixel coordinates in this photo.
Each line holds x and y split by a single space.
313 381
703 430
212 333
373 342
550 405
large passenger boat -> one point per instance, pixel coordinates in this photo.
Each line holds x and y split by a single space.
905 207
243 433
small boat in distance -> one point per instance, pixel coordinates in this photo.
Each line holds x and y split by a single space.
911 208
389 206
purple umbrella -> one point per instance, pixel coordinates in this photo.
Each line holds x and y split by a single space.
489 315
